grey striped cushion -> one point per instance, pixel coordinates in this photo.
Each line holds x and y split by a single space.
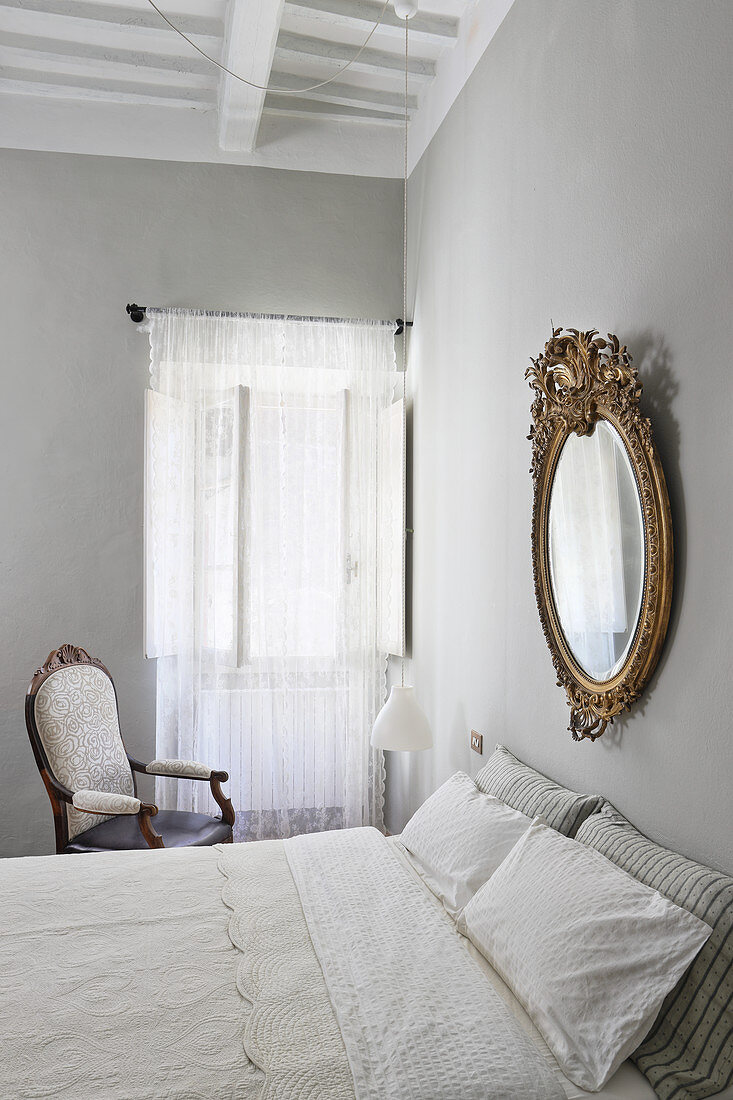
534 794
688 1054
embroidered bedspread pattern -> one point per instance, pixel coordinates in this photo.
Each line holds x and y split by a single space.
117 980
289 1029
417 1017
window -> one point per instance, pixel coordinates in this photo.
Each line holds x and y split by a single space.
270 510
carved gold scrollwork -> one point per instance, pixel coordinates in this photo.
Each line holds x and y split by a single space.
579 379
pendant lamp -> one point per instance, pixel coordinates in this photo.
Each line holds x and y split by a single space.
401 724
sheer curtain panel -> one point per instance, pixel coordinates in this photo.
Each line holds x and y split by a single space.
263 563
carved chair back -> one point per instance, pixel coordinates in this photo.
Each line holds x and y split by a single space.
72 720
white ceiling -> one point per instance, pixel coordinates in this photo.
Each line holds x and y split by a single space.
109 77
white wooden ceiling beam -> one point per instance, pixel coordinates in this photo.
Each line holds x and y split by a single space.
348 95
174 9
118 14
249 48
364 14
298 47
131 36
75 86
83 52
107 71
307 108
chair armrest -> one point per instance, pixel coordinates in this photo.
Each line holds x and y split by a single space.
179 769
105 802
191 769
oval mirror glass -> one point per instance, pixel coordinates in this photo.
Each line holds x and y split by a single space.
596 550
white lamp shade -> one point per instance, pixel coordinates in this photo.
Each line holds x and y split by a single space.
401 724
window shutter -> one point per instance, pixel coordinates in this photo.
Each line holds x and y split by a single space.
168 518
391 531
222 503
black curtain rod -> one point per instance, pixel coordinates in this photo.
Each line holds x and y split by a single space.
137 314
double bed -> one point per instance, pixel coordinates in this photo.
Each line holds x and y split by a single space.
318 967
188 973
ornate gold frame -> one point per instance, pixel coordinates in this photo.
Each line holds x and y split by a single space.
581 378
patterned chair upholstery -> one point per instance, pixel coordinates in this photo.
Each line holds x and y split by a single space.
76 717
73 725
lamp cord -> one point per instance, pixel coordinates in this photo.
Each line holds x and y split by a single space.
404 370
267 87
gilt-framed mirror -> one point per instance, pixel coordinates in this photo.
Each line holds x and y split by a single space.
601 527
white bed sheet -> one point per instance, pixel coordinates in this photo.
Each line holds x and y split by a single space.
628 1083
418 1019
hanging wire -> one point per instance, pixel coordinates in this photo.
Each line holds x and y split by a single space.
267 87
404 368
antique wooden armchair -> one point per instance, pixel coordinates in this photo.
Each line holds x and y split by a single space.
73 724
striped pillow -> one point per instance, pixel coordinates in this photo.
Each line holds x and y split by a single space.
688 1054
534 794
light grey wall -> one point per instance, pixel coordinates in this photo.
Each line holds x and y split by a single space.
583 175
81 236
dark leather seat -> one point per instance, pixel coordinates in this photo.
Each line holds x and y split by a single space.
178 828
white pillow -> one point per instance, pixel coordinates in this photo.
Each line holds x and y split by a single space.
590 952
458 838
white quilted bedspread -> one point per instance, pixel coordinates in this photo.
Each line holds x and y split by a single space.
217 974
117 980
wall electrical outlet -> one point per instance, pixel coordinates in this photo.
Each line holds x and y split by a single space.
477 742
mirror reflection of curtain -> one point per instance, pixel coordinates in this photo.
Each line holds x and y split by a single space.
261 562
586 551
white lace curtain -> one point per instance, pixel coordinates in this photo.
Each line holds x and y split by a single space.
262 550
